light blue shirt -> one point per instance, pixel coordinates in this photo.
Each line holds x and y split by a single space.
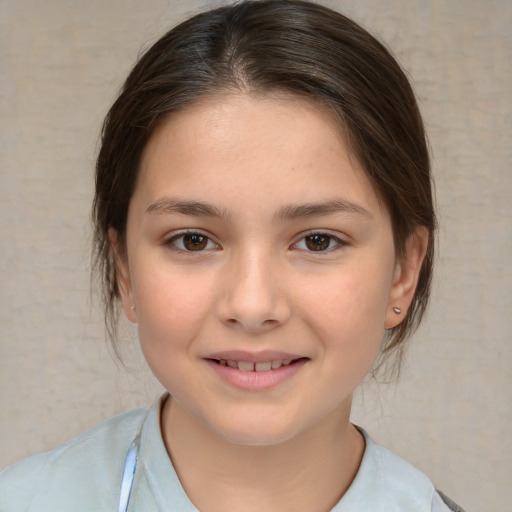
85 474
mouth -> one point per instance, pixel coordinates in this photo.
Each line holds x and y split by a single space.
256 371
263 366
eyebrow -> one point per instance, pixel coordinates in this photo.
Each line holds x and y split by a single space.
321 209
169 205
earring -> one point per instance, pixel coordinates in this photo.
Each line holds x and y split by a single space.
132 307
397 310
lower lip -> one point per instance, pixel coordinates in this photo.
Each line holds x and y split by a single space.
256 381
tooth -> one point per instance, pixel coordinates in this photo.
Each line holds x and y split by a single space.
263 367
223 362
276 365
232 364
286 362
245 366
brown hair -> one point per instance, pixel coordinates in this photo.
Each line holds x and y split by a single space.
268 46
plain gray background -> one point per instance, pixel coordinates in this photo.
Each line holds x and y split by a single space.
62 63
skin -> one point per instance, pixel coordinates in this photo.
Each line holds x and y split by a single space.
257 286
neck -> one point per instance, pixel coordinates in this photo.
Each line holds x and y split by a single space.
310 471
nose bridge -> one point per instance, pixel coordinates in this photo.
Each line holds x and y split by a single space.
254 297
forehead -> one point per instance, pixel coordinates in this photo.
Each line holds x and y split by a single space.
229 113
279 146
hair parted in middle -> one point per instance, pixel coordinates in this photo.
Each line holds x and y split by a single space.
268 47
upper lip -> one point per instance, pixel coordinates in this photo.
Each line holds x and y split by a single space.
253 357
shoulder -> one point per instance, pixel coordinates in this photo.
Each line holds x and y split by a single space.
90 461
386 482
403 482
402 478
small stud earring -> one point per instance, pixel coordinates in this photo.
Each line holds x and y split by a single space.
132 307
397 310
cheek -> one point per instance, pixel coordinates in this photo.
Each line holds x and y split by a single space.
169 319
171 305
351 329
347 310
351 297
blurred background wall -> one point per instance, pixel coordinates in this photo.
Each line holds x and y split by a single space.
62 63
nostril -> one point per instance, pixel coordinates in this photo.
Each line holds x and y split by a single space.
251 325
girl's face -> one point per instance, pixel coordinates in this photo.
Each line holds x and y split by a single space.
261 266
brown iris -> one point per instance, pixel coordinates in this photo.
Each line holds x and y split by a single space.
195 242
317 242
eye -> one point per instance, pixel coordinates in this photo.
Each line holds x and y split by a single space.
318 242
191 242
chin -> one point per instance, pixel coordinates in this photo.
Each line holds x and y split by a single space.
244 438
259 432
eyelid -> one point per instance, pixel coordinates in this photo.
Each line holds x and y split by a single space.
340 241
176 235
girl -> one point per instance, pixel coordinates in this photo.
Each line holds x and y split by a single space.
264 213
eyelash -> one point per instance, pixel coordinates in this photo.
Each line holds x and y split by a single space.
322 237
338 242
172 241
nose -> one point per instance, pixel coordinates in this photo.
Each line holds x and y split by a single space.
252 295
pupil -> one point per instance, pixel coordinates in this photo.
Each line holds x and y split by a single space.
195 242
317 242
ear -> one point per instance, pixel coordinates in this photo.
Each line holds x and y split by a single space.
406 276
124 283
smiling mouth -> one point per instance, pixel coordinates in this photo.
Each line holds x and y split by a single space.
265 366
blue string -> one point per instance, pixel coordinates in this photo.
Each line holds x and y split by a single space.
130 466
